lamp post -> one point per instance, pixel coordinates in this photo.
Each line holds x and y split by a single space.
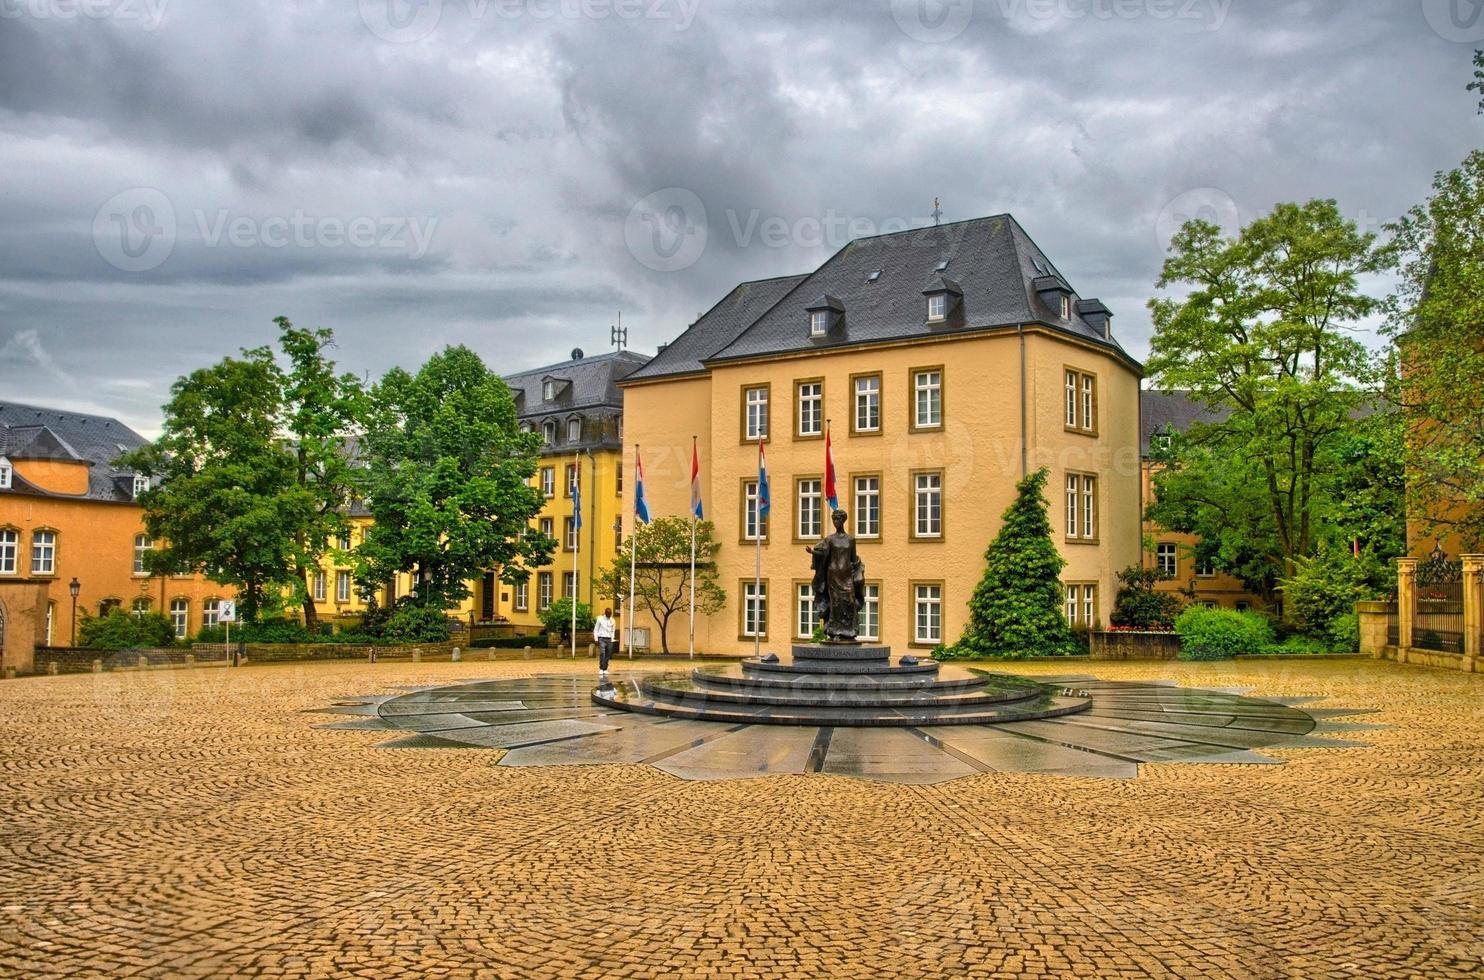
74 587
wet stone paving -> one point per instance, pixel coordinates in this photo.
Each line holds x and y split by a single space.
555 720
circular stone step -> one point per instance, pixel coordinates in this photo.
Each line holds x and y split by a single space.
818 667
742 678
689 691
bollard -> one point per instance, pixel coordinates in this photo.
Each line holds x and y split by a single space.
417 655
143 661
10 673
526 652
97 666
492 654
457 657
373 655
592 650
51 668
190 660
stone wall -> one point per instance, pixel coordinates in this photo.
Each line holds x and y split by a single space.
1125 645
80 660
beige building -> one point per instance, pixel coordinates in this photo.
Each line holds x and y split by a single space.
946 362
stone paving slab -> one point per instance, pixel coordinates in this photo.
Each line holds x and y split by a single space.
197 823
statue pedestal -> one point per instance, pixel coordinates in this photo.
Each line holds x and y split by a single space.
835 652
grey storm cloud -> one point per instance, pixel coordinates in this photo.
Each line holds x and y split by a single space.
419 172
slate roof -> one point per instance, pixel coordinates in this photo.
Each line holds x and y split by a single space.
1172 411
718 327
992 259
33 432
592 384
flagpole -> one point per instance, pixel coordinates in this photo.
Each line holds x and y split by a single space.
757 571
634 545
693 522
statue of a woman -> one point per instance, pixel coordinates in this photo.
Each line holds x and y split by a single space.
839 582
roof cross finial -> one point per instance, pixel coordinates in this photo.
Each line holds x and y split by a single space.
937 211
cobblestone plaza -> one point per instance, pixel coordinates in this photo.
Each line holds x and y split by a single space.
198 823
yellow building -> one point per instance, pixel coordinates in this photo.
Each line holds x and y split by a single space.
1164 414
67 514
947 362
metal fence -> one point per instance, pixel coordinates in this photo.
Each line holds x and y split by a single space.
1437 612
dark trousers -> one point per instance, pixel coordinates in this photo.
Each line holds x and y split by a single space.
605 650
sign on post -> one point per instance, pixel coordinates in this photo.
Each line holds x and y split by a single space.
226 611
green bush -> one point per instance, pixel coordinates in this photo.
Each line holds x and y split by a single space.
1326 588
508 643
557 618
126 631
263 631
415 624
1140 605
1216 634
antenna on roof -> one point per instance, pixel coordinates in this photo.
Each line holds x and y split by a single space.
617 335
937 211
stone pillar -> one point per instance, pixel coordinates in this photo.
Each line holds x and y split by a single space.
1373 618
1406 603
1473 610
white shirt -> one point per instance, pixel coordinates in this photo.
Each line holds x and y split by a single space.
603 628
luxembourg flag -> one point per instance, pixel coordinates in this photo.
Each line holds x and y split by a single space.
764 496
829 474
695 484
641 506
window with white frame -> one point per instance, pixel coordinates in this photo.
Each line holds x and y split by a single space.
548 527
522 596
868 403
819 322
927 606
572 477
754 609
868 622
140 607
141 484
811 408
937 306
342 586
805 606
1205 567
756 423
574 430
1082 507
321 582
548 390
1082 400
9 546
543 591
548 481
1066 307
142 547
180 617
211 612
927 399
43 552
343 541
927 517
569 585
5 473
549 432
868 506
754 527
1166 559
810 509
569 533
51 621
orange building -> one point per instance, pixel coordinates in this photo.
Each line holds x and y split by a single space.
1162 415
67 514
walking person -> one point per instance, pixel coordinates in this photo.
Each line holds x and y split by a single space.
604 630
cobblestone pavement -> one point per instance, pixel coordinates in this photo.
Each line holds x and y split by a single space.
194 823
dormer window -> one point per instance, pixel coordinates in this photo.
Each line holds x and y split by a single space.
548 432
943 295
141 484
937 306
5 472
819 323
1066 307
825 314
574 430
548 391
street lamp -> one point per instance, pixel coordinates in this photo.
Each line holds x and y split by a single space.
74 587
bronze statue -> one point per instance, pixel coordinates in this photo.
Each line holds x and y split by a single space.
839 582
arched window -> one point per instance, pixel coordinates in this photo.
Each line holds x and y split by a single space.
140 606
180 617
43 552
143 545
106 606
549 432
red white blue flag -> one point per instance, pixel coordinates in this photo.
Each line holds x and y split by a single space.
829 474
641 506
695 484
764 496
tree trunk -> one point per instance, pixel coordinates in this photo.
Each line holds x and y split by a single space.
664 631
311 613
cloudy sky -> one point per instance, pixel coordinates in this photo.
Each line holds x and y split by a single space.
510 174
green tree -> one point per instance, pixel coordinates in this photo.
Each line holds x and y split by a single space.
1016 610
1139 605
226 501
557 617
321 412
1436 316
448 481
1262 335
662 579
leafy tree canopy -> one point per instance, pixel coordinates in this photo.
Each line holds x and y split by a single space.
662 580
